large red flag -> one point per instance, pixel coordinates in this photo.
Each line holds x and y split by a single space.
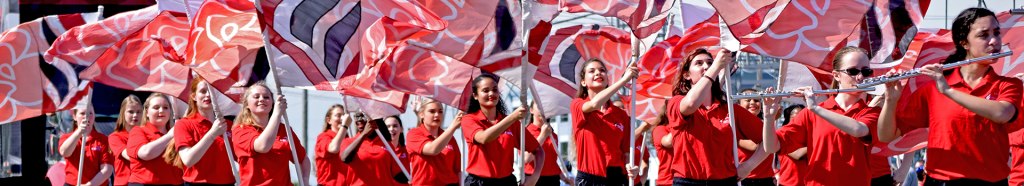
563 54
1012 27
810 31
137 63
28 86
223 43
83 44
429 74
316 44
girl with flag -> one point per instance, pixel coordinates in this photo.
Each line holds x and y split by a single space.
199 141
491 136
260 144
330 169
837 132
601 129
551 174
148 143
130 117
368 160
97 163
434 153
699 122
398 143
969 110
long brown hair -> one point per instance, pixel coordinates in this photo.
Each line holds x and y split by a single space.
125 104
838 59
581 91
245 116
193 107
327 117
682 85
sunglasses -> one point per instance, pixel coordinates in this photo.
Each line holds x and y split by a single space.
866 72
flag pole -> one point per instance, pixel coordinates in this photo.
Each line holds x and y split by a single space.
387 146
632 109
732 120
523 90
81 143
227 144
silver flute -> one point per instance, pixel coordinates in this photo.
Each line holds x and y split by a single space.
763 94
873 81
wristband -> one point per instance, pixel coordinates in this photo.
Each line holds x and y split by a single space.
709 77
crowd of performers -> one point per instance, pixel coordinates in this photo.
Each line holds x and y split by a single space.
970 111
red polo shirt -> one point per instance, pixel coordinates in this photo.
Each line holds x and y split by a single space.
962 144
550 154
703 140
602 137
403 156
97 153
494 159
118 143
372 165
270 168
440 169
791 172
763 170
154 171
664 156
330 170
213 167
833 156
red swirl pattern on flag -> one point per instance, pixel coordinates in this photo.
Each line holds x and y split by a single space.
1012 27
224 40
137 63
418 71
83 44
810 30
561 55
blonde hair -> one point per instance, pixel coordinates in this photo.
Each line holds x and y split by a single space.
423 108
327 117
245 116
149 102
121 119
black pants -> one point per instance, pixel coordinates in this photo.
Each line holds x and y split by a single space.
770 181
474 180
970 182
206 184
885 180
548 180
615 178
677 181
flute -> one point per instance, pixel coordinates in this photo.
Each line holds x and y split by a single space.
873 81
758 95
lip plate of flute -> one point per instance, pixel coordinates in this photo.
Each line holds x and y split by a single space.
873 81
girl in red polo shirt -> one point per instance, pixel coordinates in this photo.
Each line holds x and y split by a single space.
98 163
551 173
601 129
367 158
792 166
969 110
398 142
435 155
330 170
763 174
491 136
702 151
261 144
661 139
148 142
199 141
837 132
130 117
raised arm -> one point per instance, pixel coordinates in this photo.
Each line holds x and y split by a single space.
353 148
67 148
597 101
191 154
265 141
435 147
490 134
701 89
887 130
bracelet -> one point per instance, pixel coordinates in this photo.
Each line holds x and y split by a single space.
709 77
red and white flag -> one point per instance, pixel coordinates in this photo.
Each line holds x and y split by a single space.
83 44
137 63
428 74
316 46
30 87
562 55
223 43
810 31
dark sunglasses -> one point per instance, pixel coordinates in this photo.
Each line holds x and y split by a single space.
867 72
